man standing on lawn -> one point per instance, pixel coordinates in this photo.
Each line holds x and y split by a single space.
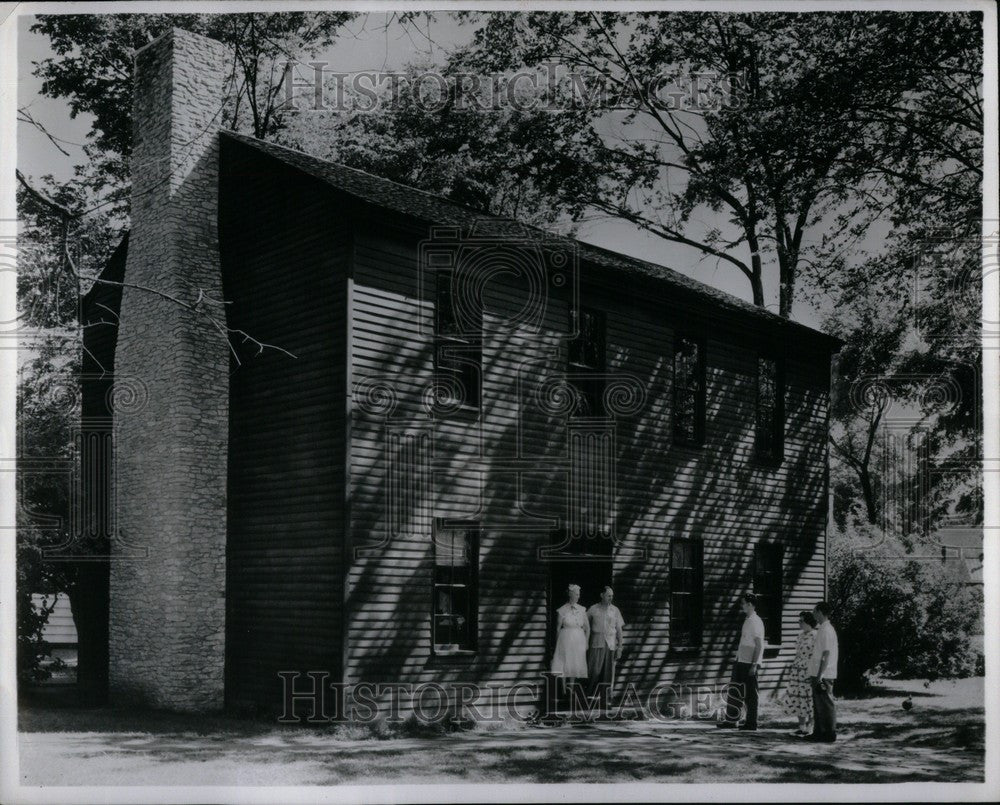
743 685
822 673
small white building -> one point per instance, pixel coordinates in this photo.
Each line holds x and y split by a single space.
60 631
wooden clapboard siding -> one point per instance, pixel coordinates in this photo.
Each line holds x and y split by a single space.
389 590
285 248
325 573
717 492
330 555
59 629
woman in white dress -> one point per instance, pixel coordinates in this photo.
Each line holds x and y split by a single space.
572 636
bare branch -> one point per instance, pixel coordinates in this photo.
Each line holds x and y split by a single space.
24 116
60 210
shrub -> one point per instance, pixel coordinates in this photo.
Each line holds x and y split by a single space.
32 650
898 613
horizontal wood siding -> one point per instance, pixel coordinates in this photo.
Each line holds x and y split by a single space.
285 248
717 492
508 467
59 629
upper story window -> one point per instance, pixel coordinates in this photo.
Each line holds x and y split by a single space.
586 365
458 351
769 433
456 588
689 390
686 584
768 572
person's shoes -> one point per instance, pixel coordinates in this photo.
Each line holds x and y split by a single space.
799 733
745 728
821 739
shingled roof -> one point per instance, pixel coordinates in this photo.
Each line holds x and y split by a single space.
436 210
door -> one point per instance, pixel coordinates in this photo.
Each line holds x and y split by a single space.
590 574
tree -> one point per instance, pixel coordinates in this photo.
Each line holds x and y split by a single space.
873 330
56 249
924 612
45 415
910 370
92 68
911 314
428 142
775 146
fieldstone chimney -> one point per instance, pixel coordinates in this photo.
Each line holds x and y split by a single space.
168 576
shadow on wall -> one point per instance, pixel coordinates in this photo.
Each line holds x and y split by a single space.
389 595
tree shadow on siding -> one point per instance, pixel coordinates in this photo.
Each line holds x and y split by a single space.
657 500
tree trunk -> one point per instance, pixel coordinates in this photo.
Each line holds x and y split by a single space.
868 490
756 267
786 290
758 290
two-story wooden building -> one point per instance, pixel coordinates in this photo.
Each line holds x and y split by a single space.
452 417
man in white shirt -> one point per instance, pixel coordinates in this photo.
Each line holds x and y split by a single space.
822 673
743 685
606 639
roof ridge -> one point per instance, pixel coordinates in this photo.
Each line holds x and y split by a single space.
370 194
363 172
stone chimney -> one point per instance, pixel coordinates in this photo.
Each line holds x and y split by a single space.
168 574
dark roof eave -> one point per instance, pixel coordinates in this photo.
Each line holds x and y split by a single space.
113 270
436 210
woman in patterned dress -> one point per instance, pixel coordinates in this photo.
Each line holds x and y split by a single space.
796 699
572 636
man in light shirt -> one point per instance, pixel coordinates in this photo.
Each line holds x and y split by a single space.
743 685
822 673
606 638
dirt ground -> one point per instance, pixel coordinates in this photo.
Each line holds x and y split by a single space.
940 739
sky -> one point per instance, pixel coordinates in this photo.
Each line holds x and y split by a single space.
369 43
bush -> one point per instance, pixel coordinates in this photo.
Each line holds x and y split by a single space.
32 650
898 615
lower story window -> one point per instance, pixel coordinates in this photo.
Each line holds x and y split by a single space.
685 592
456 587
767 578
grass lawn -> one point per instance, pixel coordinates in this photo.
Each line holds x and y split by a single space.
940 739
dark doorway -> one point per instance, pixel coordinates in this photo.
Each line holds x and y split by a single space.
590 573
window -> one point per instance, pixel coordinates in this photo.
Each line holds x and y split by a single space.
689 390
770 426
587 363
767 576
456 588
458 353
686 581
